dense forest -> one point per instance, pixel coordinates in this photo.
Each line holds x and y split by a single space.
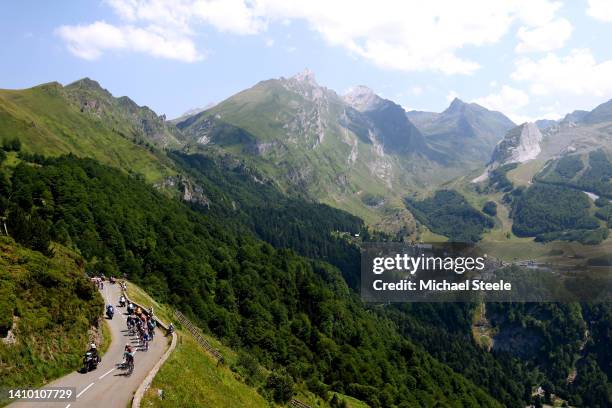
498 179
443 329
557 339
290 312
240 196
448 213
551 212
295 315
595 176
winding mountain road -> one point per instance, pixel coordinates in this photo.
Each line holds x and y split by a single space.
108 386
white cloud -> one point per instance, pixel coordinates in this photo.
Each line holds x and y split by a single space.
547 37
405 35
508 100
600 10
269 42
578 73
401 35
235 16
161 28
416 90
90 41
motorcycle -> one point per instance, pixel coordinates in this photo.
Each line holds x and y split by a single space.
90 361
110 312
121 301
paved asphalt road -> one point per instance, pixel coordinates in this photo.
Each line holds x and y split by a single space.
108 386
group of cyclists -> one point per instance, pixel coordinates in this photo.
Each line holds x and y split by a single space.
98 282
140 323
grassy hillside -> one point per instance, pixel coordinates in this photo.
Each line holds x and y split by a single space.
48 120
49 307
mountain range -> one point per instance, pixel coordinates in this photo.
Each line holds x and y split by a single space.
345 150
252 173
358 151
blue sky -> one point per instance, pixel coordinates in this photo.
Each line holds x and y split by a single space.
528 58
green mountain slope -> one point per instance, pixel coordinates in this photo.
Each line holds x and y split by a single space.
241 197
286 310
291 129
312 142
47 308
85 120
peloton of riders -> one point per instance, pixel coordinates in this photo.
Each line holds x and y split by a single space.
139 322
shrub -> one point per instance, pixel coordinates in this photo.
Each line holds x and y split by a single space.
281 386
12 144
490 208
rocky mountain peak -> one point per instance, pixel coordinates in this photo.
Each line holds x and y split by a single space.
87 83
456 106
362 98
306 76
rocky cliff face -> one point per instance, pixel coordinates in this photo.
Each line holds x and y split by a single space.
519 145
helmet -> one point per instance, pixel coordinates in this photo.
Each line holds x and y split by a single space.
92 345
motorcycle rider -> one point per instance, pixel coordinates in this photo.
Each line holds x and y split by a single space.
91 358
122 301
110 311
94 352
